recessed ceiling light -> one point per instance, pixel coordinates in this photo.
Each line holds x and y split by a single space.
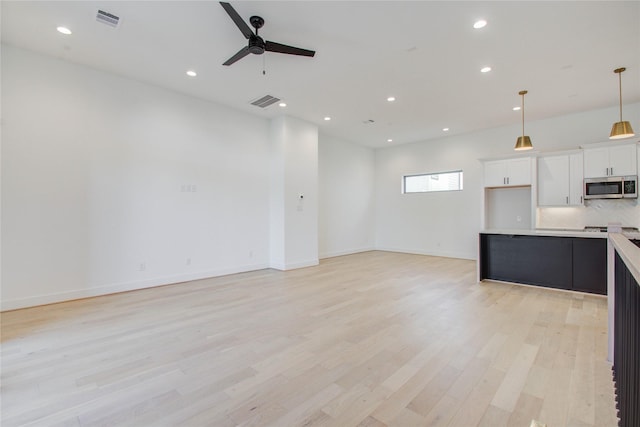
516 108
445 129
480 23
327 118
389 140
282 104
191 73
391 98
64 30
485 69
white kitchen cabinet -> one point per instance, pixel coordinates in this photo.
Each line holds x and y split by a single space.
560 180
508 172
617 160
576 179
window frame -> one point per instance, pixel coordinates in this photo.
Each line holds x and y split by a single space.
428 174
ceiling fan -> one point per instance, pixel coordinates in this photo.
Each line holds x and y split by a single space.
257 45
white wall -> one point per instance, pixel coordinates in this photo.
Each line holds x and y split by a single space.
447 224
346 200
109 184
294 193
508 208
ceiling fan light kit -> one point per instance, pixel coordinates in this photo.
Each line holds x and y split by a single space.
256 44
621 129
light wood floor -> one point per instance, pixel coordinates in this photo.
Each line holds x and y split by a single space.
372 339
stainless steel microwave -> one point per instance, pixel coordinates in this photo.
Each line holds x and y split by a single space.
611 187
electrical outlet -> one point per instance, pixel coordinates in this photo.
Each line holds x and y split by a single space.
188 262
142 266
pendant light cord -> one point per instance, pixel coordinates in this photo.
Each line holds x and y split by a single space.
619 72
523 116
620 87
522 93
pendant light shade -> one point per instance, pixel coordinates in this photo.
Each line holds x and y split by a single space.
523 142
621 129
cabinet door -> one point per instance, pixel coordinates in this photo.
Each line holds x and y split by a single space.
576 179
553 181
596 162
519 171
495 173
533 260
590 265
622 160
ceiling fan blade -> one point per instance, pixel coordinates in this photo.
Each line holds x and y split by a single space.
283 48
244 28
238 56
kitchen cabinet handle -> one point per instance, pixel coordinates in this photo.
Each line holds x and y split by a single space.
611 170
567 199
581 200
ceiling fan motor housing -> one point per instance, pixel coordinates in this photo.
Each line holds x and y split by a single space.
256 45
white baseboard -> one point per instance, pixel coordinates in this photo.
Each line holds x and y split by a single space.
114 288
443 254
346 252
94 291
292 266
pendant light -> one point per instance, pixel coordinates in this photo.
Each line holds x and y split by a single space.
621 129
523 142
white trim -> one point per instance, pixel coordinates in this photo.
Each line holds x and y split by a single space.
346 252
457 255
14 304
284 267
627 141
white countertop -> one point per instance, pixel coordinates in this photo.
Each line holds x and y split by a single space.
556 232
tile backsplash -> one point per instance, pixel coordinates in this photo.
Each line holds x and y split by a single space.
595 212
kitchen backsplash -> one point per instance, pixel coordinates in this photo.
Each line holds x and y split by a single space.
594 212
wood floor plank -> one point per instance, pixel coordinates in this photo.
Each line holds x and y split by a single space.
372 339
495 417
527 408
507 395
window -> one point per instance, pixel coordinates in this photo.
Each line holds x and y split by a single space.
428 182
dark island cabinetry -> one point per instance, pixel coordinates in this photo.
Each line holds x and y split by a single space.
571 263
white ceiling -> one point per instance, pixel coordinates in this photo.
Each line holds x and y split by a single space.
426 54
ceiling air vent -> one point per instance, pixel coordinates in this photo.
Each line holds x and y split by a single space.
265 101
107 18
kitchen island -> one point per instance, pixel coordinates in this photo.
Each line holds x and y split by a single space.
566 259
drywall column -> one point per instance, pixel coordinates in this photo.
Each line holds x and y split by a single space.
294 194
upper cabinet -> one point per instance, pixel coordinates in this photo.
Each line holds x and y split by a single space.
560 180
508 172
617 160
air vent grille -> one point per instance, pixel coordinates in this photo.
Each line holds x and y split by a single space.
107 18
265 101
